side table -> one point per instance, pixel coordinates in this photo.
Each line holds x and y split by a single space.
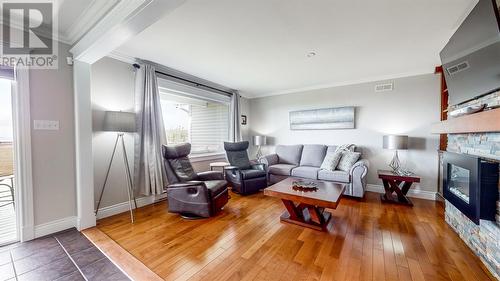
221 165
399 184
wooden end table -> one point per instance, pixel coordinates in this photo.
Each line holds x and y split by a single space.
307 208
399 184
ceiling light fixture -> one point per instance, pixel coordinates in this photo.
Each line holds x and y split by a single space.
311 54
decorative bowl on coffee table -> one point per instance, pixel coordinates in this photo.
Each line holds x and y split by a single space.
300 185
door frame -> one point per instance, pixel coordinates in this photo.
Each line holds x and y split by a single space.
23 174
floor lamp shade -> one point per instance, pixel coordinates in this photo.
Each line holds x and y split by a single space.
118 121
395 142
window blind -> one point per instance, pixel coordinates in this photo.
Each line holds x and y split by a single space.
209 127
208 112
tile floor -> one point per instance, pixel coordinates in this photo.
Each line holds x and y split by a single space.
65 255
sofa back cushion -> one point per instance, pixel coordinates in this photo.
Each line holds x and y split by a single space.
289 154
331 149
313 155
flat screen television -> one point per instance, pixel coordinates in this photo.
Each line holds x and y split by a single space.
471 59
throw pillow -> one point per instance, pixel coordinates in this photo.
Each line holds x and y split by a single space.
331 160
347 161
346 147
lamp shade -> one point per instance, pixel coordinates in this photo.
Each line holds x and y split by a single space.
118 121
395 142
259 140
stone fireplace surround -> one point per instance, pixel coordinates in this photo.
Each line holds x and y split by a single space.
483 239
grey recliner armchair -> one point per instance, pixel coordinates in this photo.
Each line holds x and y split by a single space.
245 177
192 194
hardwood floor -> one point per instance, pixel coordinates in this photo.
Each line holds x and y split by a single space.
367 240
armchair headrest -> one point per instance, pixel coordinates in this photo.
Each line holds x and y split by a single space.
236 146
176 151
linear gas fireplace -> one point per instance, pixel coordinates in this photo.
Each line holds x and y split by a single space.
471 184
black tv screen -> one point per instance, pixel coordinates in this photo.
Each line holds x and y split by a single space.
471 59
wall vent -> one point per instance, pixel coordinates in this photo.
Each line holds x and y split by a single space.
454 69
384 87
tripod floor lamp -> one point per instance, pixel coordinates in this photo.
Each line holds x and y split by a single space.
121 123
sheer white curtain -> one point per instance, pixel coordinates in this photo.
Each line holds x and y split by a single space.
234 119
149 172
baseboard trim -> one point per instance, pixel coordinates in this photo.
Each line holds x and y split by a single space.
54 226
47 228
27 233
414 193
123 207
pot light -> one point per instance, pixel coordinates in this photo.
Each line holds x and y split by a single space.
311 54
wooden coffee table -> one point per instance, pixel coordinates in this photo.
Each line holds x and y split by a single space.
307 208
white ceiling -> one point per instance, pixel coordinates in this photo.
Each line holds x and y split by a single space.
260 46
68 11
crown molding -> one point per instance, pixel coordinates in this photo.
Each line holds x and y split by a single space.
56 36
122 57
342 83
88 18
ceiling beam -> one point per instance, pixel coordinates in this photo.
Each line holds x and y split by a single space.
125 20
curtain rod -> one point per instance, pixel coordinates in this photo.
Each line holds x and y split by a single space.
188 81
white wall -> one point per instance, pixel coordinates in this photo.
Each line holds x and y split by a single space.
53 152
409 109
112 89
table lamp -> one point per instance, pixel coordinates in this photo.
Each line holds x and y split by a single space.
259 141
121 123
395 142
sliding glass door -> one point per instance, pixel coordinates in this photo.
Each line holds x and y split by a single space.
8 226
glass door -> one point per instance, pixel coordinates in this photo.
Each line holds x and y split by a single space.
8 226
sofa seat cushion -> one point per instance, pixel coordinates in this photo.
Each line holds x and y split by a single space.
306 172
281 169
215 187
338 176
252 174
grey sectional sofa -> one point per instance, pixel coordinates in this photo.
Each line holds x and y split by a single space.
304 161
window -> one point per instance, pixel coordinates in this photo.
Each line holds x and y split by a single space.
195 116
